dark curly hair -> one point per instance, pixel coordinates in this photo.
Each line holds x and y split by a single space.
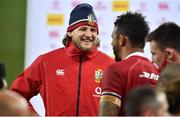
134 26
166 35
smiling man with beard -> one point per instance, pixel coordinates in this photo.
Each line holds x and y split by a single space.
133 69
68 79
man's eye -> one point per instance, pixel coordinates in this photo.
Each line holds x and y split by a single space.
93 30
83 29
152 53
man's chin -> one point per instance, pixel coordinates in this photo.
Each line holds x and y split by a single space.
85 48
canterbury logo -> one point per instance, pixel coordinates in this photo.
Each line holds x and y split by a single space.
60 72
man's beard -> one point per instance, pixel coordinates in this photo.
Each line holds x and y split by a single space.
84 48
117 54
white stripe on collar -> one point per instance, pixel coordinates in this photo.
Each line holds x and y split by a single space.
81 21
137 54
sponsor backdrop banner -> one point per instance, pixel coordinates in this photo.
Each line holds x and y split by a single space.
47 21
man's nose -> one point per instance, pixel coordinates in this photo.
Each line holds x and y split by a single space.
88 33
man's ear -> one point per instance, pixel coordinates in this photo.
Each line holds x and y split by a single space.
69 34
171 55
123 40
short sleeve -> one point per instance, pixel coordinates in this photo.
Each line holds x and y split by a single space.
113 82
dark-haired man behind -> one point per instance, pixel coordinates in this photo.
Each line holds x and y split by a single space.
165 49
133 70
165 44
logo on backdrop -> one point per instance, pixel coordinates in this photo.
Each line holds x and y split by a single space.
54 34
163 6
100 6
119 6
55 5
55 19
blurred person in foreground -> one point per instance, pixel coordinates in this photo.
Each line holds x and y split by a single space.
169 73
13 104
3 83
68 79
165 44
172 91
133 69
146 101
169 82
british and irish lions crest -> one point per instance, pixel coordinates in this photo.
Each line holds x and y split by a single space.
98 75
91 20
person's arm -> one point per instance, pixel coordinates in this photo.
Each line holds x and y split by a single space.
109 105
112 85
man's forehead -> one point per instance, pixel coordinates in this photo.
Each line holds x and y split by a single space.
86 26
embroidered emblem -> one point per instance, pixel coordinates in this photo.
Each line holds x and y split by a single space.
98 75
90 20
60 72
